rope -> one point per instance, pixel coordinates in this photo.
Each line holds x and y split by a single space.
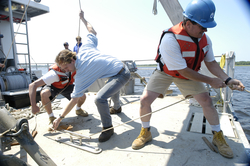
188 97
247 90
15 34
143 116
79 27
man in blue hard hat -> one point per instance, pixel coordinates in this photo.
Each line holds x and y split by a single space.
181 50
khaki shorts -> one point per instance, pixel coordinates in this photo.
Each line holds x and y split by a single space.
159 82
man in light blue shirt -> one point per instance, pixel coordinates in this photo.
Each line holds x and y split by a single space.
90 64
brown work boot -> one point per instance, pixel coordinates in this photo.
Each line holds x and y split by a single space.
114 111
144 137
106 134
51 119
223 147
81 112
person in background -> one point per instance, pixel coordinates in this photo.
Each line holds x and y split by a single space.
181 50
78 44
91 65
66 45
56 81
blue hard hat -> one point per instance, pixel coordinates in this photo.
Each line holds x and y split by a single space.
201 12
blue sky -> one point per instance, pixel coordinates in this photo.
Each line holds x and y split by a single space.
127 29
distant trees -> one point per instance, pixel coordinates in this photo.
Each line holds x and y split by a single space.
242 63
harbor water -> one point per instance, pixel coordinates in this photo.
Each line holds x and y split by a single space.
240 100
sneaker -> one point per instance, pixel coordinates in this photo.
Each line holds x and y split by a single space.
81 112
106 134
144 137
114 111
223 147
51 119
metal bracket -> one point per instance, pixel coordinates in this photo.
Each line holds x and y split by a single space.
5 144
77 142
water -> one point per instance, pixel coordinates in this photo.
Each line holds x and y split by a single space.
240 99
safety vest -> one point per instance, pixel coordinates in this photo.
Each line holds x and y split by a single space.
64 78
193 52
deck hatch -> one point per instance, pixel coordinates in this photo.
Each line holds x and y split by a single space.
199 124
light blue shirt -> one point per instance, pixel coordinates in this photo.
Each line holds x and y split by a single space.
91 65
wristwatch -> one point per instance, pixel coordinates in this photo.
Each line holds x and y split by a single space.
61 117
227 80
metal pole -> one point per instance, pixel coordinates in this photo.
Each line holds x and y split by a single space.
227 88
12 33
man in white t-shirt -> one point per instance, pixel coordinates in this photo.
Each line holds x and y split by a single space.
56 82
181 50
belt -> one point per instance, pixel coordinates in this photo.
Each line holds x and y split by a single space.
121 70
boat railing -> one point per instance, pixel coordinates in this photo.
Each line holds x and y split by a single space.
227 62
36 66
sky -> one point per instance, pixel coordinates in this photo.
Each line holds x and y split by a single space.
128 29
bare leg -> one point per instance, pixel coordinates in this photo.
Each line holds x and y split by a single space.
81 100
147 99
45 94
145 136
209 110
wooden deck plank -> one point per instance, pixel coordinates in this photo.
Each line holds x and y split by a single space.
197 123
224 124
208 128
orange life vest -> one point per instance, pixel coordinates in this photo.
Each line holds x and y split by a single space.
197 49
64 78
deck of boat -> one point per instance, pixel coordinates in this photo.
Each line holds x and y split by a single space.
177 136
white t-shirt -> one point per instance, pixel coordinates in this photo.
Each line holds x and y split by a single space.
50 77
171 53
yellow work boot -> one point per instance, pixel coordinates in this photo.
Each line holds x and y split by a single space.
144 137
223 147
51 119
81 112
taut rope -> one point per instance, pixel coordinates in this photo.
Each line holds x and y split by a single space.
79 27
143 115
188 97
